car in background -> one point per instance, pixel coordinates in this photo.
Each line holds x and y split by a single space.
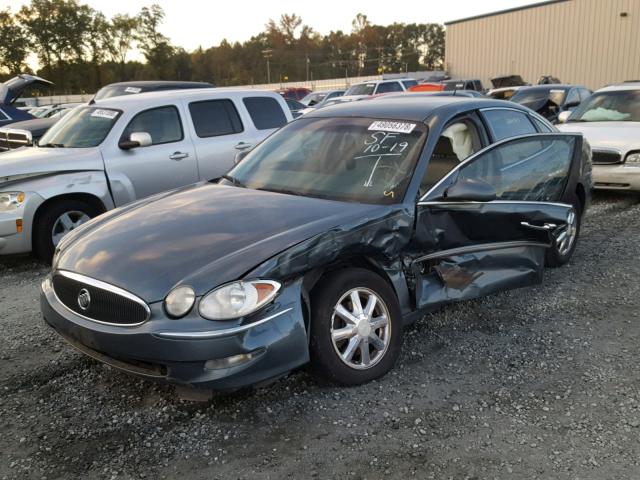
10 92
348 224
504 93
610 121
502 81
114 151
316 98
295 106
427 87
295 93
463 84
28 132
142 86
551 100
378 87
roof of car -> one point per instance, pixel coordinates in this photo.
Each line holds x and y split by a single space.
155 97
548 86
621 86
411 106
157 83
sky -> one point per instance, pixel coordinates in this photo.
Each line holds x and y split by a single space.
194 23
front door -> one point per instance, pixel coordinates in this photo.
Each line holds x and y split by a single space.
468 248
169 162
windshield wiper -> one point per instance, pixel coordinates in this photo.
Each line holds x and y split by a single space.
233 180
52 145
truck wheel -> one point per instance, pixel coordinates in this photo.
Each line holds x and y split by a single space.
562 249
56 221
356 327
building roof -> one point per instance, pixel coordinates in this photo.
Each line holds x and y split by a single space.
509 10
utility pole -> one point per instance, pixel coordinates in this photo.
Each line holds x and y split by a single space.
267 54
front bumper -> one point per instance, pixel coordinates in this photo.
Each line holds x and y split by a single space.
616 177
11 240
176 351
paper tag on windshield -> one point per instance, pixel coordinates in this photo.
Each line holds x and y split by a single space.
398 127
133 90
110 114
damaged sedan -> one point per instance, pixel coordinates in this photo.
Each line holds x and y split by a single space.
323 243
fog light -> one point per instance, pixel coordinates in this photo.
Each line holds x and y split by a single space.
233 361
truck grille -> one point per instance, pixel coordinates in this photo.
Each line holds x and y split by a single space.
10 139
99 301
604 157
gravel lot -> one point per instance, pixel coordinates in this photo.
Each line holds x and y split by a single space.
534 383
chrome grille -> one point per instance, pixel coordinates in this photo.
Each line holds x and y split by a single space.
606 157
10 139
107 304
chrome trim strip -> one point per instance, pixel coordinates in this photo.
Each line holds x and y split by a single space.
479 248
217 333
472 157
104 286
529 202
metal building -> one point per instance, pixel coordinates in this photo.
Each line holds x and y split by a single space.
589 42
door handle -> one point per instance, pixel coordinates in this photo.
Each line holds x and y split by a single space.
545 226
243 146
178 155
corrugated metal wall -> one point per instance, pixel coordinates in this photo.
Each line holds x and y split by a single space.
578 41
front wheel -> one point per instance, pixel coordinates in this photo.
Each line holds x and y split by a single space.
566 241
356 327
56 221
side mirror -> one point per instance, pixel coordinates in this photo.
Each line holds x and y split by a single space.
240 155
470 191
136 140
564 116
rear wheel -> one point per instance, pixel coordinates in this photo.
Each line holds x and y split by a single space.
356 327
566 241
58 220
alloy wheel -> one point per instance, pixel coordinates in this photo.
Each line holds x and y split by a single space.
567 238
67 222
360 328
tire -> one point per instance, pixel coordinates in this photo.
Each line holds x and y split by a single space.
327 356
555 256
45 222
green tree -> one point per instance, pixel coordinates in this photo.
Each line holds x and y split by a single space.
14 43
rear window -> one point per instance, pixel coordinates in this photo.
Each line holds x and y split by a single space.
265 112
388 87
4 116
213 118
409 83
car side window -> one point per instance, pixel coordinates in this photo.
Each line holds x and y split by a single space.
528 169
458 141
213 118
409 83
584 94
387 87
541 126
573 98
265 112
162 124
508 123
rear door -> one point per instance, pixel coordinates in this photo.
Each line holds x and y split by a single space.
169 162
219 133
473 248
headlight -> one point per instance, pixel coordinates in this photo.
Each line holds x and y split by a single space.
179 301
633 157
11 200
238 299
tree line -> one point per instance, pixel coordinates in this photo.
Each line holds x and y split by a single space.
79 49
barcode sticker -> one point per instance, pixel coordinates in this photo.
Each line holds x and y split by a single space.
386 126
102 113
133 90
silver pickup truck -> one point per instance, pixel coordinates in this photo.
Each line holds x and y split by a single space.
112 152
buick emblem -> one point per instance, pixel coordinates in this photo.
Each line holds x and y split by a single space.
84 299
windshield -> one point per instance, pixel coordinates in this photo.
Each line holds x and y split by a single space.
81 128
539 95
116 91
454 85
349 159
313 98
361 89
615 106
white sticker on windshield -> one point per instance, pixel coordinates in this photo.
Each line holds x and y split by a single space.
386 126
556 91
110 114
133 90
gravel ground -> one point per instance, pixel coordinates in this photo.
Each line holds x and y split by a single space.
536 383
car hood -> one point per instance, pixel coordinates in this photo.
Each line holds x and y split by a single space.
203 236
624 136
16 165
34 125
